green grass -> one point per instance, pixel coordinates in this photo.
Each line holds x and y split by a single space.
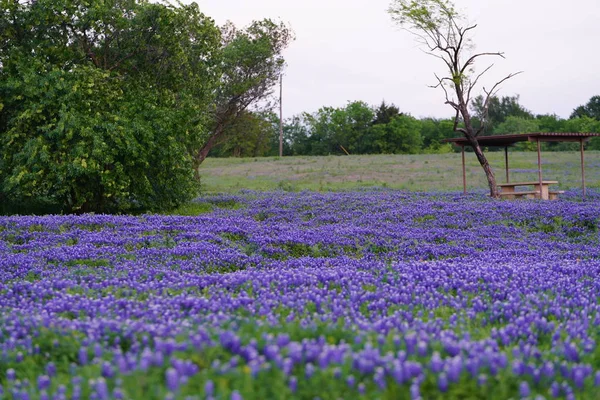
423 172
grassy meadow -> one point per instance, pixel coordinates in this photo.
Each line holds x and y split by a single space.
423 172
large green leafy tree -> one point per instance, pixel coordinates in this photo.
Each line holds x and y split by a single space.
251 134
296 133
498 110
102 102
402 135
591 109
385 112
251 63
514 124
433 131
331 129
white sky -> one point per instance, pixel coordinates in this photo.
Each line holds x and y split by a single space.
351 50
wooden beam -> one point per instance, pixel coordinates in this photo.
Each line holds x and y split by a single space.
506 163
582 168
539 154
464 170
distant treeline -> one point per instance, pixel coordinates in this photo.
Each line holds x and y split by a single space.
359 128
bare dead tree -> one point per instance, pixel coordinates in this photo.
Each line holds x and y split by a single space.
444 34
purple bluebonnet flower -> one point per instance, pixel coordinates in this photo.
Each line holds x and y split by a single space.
415 391
10 374
361 388
172 379
443 382
107 370
350 380
102 389
309 370
524 390
209 388
235 395
83 356
43 382
51 369
293 384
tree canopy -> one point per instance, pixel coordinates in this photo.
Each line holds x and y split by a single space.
591 109
251 65
498 110
110 106
101 102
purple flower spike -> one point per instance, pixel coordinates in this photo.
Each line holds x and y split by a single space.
309 371
555 389
293 384
118 394
482 379
597 378
524 390
172 379
50 369
209 388
361 388
436 364
579 377
11 374
102 389
236 395
415 391
350 380
443 382
43 382
107 370
83 356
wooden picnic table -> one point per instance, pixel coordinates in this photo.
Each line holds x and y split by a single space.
509 191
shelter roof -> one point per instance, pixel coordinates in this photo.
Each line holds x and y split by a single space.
509 140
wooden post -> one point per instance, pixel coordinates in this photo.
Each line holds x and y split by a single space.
506 163
582 167
464 171
281 115
539 154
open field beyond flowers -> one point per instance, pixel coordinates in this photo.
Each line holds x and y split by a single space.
354 295
414 172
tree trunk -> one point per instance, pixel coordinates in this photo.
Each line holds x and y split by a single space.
469 134
489 173
201 154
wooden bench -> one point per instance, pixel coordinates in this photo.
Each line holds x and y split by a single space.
540 191
553 194
532 194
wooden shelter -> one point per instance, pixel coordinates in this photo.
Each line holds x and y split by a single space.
510 140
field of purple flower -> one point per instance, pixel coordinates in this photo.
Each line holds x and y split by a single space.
356 295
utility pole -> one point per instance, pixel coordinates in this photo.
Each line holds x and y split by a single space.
281 115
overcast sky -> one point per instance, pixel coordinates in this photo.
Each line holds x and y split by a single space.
351 50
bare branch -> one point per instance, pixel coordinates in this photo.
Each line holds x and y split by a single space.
430 53
462 34
441 84
475 56
489 95
456 120
472 85
491 92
